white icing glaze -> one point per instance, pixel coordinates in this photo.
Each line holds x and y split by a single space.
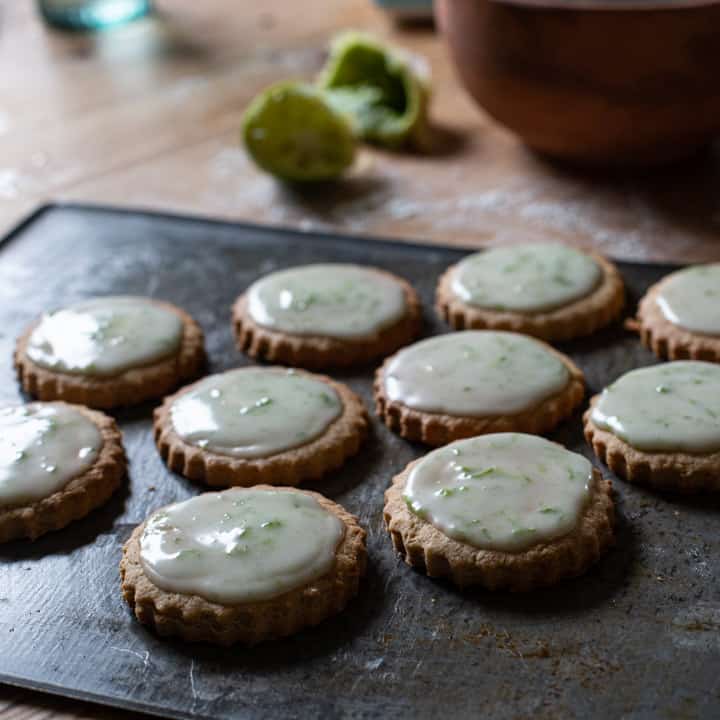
341 301
255 412
525 278
507 491
42 447
690 298
672 407
105 336
240 545
474 372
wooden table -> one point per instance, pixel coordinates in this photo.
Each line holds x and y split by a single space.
148 115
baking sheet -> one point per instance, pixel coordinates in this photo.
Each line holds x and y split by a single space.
637 637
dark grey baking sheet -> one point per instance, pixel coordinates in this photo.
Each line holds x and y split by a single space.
637 637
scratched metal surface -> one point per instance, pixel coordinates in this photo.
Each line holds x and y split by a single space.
635 638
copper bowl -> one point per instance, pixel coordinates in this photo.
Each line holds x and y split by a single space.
603 82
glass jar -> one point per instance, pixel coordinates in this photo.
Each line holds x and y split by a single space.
91 14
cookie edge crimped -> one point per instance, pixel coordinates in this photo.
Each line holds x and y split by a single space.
667 340
578 318
79 496
436 429
424 547
315 352
678 472
195 619
129 387
340 441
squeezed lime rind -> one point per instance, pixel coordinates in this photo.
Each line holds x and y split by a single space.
293 132
379 87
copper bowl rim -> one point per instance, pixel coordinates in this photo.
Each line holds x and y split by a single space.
609 5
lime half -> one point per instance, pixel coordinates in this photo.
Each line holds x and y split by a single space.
380 87
294 133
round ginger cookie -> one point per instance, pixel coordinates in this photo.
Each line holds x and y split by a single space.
505 511
475 382
256 425
679 317
326 315
660 426
58 462
109 352
243 565
547 290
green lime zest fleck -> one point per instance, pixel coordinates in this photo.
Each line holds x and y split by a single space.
523 531
476 474
237 549
258 405
413 506
271 524
664 389
302 303
327 399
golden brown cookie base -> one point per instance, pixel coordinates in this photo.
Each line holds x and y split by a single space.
440 428
341 440
81 494
577 319
426 548
667 340
317 352
196 619
674 472
130 387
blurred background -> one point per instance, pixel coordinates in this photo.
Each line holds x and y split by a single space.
147 114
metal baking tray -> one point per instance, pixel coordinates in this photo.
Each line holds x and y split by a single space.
637 637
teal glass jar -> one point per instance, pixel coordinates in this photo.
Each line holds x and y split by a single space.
91 14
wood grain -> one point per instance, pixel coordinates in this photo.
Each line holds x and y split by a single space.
148 115
18 704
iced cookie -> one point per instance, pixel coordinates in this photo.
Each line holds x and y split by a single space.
547 290
109 351
57 463
660 426
506 510
243 565
332 315
679 317
475 382
260 425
